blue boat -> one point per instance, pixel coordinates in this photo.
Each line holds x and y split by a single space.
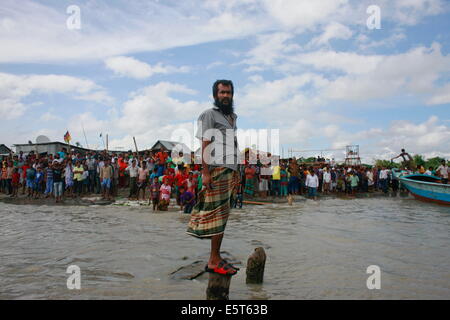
427 188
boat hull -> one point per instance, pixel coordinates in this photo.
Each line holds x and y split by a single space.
428 191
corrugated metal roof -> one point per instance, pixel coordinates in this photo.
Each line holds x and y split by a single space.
170 145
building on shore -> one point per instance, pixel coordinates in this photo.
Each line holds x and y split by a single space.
165 145
48 148
4 150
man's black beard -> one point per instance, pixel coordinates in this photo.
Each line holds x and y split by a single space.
225 108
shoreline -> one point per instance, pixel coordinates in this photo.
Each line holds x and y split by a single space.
122 199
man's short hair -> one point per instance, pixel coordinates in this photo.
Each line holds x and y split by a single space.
226 83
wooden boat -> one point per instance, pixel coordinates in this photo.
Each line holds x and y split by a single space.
427 188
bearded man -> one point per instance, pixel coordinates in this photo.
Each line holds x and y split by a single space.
217 133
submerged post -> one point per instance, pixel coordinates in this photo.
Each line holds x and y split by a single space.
255 266
218 287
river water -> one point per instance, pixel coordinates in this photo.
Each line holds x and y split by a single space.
315 250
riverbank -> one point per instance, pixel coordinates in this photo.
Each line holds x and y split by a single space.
122 199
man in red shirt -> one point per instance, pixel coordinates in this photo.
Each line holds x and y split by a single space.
162 156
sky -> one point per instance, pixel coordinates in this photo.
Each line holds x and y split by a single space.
323 74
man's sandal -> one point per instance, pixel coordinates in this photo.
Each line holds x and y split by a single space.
222 268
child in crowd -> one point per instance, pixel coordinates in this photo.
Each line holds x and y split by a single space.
154 193
164 199
187 199
37 186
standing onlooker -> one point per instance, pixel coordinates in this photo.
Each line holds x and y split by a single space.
312 183
284 181
326 180
31 175
250 172
275 180
57 181
154 193
78 178
370 182
37 185
164 199
133 171
92 168
68 177
15 182
143 174
293 187
9 174
384 179
115 179
85 185
443 171
106 174
49 181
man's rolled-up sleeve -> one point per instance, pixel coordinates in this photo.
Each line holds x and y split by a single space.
205 122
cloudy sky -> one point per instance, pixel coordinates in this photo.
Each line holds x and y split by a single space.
312 69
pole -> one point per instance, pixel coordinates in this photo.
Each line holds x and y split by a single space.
85 136
135 145
106 142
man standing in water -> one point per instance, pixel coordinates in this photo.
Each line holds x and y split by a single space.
217 133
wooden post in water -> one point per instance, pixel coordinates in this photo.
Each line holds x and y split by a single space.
255 266
218 287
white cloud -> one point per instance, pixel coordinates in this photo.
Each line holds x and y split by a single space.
334 30
440 96
14 88
131 67
153 106
50 116
34 32
303 14
410 12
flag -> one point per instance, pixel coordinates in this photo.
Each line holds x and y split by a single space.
67 137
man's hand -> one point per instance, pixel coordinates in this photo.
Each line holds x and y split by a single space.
206 180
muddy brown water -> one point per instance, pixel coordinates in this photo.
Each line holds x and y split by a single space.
315 250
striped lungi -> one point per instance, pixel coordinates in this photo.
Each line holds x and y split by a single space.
210 214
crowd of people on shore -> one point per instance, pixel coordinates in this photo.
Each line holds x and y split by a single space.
72 175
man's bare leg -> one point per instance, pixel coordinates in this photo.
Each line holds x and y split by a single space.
215 258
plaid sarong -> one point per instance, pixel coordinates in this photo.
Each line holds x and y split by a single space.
249 186
210 215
